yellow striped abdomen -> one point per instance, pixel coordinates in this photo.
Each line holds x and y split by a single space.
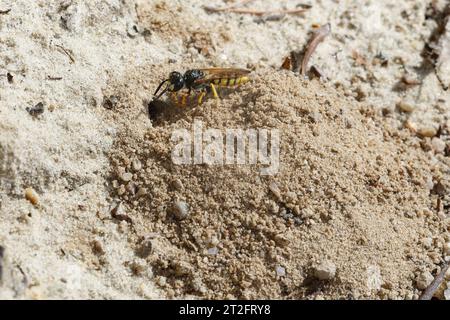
184 99
229 82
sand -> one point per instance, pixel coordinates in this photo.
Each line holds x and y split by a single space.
358 209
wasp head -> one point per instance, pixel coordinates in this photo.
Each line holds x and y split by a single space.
175 83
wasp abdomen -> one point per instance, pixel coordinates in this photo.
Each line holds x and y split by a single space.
184 99
229 82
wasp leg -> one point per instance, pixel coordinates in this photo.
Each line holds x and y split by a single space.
200 97
213 88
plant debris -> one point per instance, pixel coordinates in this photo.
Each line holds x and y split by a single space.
10 77
37 110
276 13
31 196
66 52
54 78
318 36
2 254
118 213
110 102
434 285
287 63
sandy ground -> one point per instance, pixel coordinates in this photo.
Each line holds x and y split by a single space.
360 208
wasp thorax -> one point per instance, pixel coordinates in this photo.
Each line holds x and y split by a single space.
191 76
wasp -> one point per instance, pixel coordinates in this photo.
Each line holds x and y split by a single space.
200 82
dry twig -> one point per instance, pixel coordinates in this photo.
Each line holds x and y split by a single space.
54 78
431 289
237 8
5 11
257 12
287 64
72 59
318 36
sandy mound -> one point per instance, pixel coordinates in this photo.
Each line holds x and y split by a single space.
344 217
75 77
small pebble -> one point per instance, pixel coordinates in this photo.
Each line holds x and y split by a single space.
410 125
447 248
281 272
122 227
429 183
126 176
136 165
427 132
406 106
213 251
121 190
115 184
427 242
438 145
273 207
97 247
424 280
447 292
281 240
325 270
214 241
198 285
439 189
118 212
273 187
180 210
178 185
31 196
36 110
161 281
141 192
146 247
110 102
410 79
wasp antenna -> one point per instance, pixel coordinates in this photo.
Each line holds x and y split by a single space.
159 87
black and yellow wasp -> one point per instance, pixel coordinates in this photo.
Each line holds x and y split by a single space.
198 83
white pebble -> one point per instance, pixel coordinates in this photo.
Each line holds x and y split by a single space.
374 279
447 248
126 176
213 251
424 280
427 242
214 241
281 272
161 281
31 196
438 145
273 187
325 270
180 209
447 292
406 106
427 132
137 165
